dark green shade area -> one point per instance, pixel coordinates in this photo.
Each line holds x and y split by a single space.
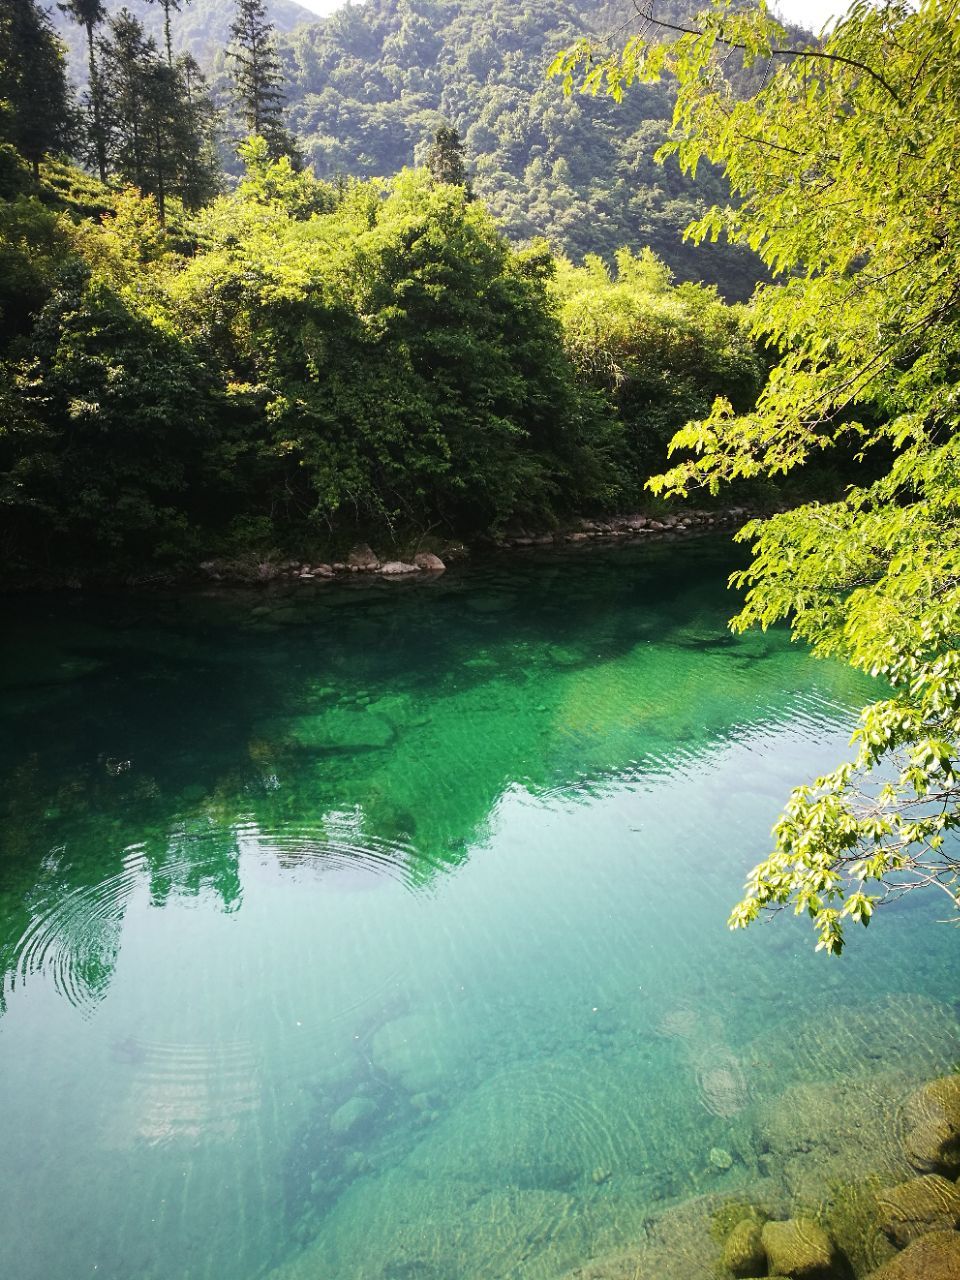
379 931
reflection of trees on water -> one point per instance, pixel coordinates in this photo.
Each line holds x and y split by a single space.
376 727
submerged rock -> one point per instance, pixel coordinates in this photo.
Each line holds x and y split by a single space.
743 1253
339 729
932 1127
407 1049
798 1248
354 1117
932 1257
913 1208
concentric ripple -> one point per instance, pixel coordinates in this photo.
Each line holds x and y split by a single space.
74 936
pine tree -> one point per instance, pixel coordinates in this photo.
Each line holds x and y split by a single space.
89 14
159 118
445 159
198 162
258 77
169 6
125 58
33 83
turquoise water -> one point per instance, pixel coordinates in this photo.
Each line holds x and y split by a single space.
379 932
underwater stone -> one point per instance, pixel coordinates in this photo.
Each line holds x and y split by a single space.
353 1117
743 1253
930 1203
339 729
406 1050
932 1257
798 1248
932 1125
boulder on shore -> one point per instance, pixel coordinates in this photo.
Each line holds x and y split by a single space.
932 1127
394 568
913 1208
427 561
363 557
931 1257
798 1248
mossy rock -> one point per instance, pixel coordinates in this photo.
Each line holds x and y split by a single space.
799 1248
730 1214
935 1256
932 1127
928 1203
743 1253
851 1217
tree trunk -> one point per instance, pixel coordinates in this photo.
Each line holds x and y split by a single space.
161 190
98 139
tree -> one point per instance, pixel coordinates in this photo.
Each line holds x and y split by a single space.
169 6
33 83
198 126
445 159
159 118
660 352
844 163
258 77
89 14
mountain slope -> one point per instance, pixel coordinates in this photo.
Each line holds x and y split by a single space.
369 86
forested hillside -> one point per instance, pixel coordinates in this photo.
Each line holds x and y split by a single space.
368 88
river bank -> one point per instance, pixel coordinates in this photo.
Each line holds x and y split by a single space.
411 561
400 561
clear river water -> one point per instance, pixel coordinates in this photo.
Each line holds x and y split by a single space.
378 932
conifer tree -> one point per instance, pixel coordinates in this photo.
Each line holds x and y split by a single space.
159 118
89 14
198 162
169 6
445 159
33 82
258 77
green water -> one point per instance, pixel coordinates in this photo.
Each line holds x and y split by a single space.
379 932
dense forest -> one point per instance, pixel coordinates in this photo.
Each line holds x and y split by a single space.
368 88
196 367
